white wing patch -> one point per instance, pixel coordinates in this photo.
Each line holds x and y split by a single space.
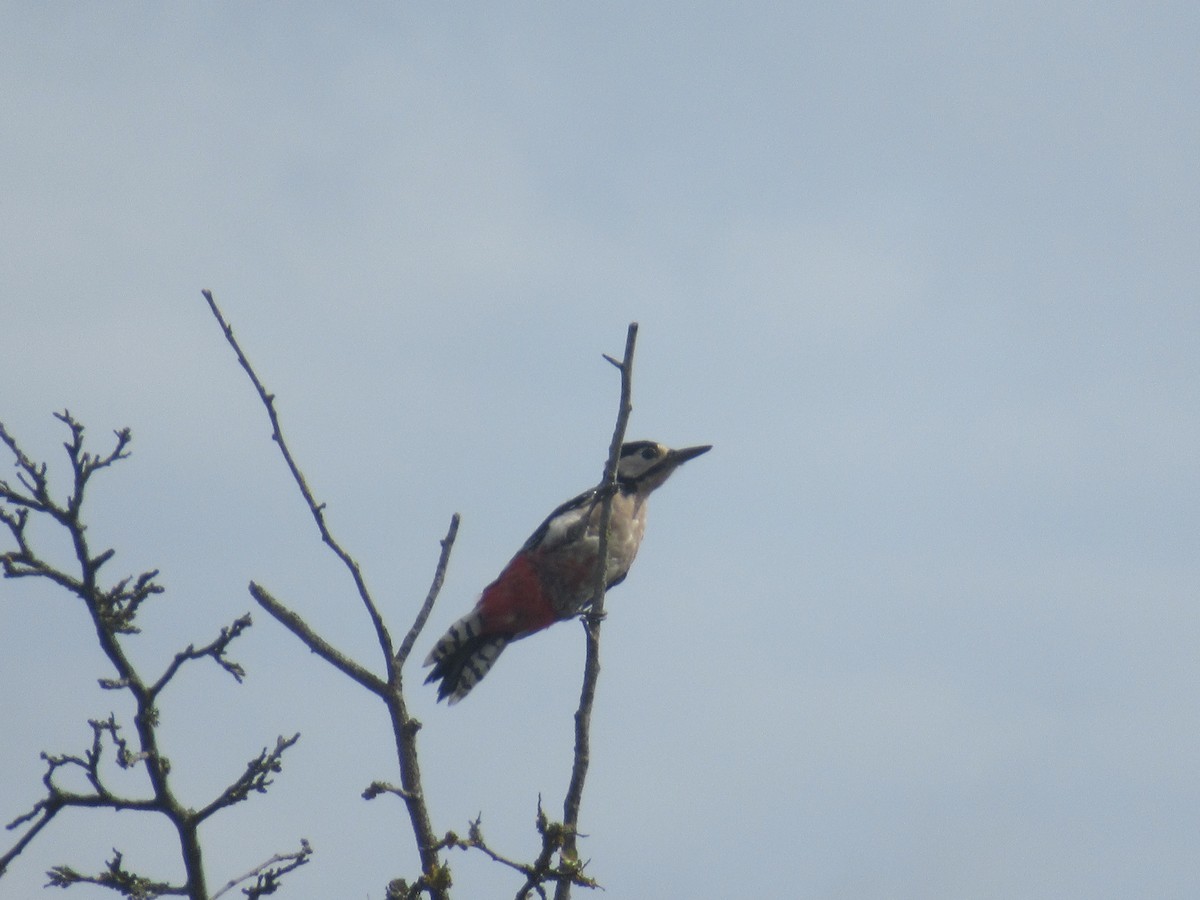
566 526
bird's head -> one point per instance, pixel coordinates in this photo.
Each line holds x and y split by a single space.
644 465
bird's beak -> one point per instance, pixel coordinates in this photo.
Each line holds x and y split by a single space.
679 457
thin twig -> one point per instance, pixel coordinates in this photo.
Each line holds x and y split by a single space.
317 644
255 779
291 861
435 878
583 716
434 874
537 873
215 648
40 815
376 788
116 877
439 576
317 509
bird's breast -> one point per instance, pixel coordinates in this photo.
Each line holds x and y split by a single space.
567 570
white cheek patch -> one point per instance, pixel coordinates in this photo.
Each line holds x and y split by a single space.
634 466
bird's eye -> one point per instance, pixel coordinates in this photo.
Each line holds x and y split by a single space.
650 453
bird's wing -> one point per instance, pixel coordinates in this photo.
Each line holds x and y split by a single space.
563 524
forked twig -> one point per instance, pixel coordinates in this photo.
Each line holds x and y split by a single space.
268 873
434 878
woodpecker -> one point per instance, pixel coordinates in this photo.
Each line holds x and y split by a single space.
551 577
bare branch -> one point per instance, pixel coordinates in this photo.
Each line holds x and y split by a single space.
592 620
475 841
23 563
537 873
256 778
552 840
266 875
124 757
31 475
90 763
316 509
119 605
435 878
375 788
117 878
16 522
317 644
215 648
56 799
439 576
113 611
41 814
84 464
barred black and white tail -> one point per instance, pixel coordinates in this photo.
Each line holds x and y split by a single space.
463 656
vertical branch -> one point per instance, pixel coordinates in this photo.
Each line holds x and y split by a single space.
107 626
404 731
591 621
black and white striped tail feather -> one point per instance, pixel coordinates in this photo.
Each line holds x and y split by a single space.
463 656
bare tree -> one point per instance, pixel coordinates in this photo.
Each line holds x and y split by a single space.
557 861
113 610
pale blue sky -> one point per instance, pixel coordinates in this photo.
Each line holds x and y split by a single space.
924 624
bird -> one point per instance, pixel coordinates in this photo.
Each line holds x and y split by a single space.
551 578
